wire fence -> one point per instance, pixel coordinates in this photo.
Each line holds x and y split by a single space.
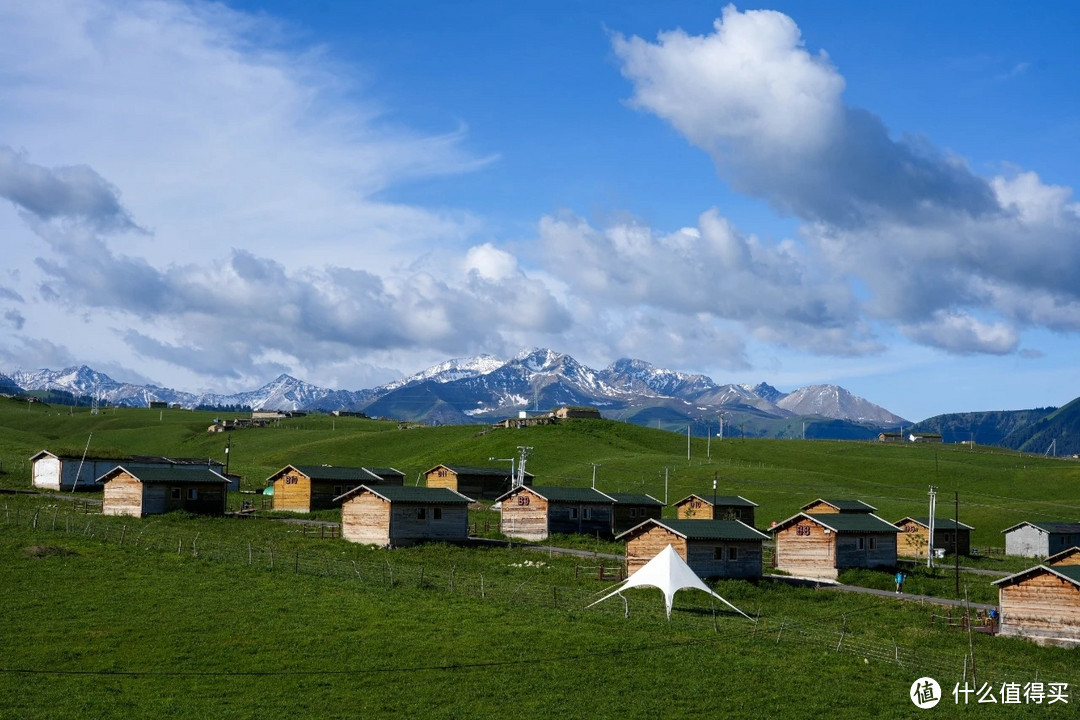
708 622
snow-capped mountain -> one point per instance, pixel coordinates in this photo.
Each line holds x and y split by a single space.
485 388
836 402
456 369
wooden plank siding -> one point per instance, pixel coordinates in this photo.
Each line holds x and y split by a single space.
804 549
525 516
1040 604
697 507
126 493
711 548
643 548
535 513
397 517
292 491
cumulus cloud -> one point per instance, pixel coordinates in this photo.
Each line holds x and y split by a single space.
712 270
772 116
75 192
957 261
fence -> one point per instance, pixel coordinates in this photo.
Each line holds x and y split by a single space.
767 632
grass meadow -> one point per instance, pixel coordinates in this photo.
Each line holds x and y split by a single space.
181 616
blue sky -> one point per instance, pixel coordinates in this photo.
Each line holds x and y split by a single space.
878 196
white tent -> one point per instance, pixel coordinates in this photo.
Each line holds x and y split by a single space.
669 572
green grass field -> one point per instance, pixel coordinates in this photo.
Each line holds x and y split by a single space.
996 488
180 616
112 617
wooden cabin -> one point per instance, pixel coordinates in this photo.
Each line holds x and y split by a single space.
952 536
532 513
820 545
478 482
837 506
1041 539
1043 602
720 507
1065 557
712 548
156 490
50 471
305 488
397 515
632 509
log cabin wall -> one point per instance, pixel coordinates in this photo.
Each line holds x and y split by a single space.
292 491
725 558
912 540
647 545
1042 604
122 496
525 516
365 519
804 548
414 523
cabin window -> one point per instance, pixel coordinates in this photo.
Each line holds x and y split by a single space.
176 494
718 553
573 513
192 494
873 543
733 553
588 513
421 513
436 513
860 543
337 490
633 513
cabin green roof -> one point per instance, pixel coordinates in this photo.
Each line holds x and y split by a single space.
554 493
854 523
721 500
701 529
330 473
843 505
634 499
939 523
180 475
1070 573
411 494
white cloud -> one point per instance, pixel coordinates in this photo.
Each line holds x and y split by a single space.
957 261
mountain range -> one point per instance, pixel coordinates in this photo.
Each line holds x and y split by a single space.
485 389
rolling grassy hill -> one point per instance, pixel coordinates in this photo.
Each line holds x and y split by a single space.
997 488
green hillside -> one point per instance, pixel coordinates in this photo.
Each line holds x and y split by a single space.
997 488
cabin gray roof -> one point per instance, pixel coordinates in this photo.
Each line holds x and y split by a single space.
179 475
634 499
700 529
939 523
410 494
553 493
721 500
840 523
329 473
1069 573
843 505
1049 527
385 472
472 470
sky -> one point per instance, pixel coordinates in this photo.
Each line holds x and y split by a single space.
874 195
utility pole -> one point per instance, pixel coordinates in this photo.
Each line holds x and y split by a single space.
513 477
594 466
721 427
930 545
687 443
228 445
523 455
956 539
